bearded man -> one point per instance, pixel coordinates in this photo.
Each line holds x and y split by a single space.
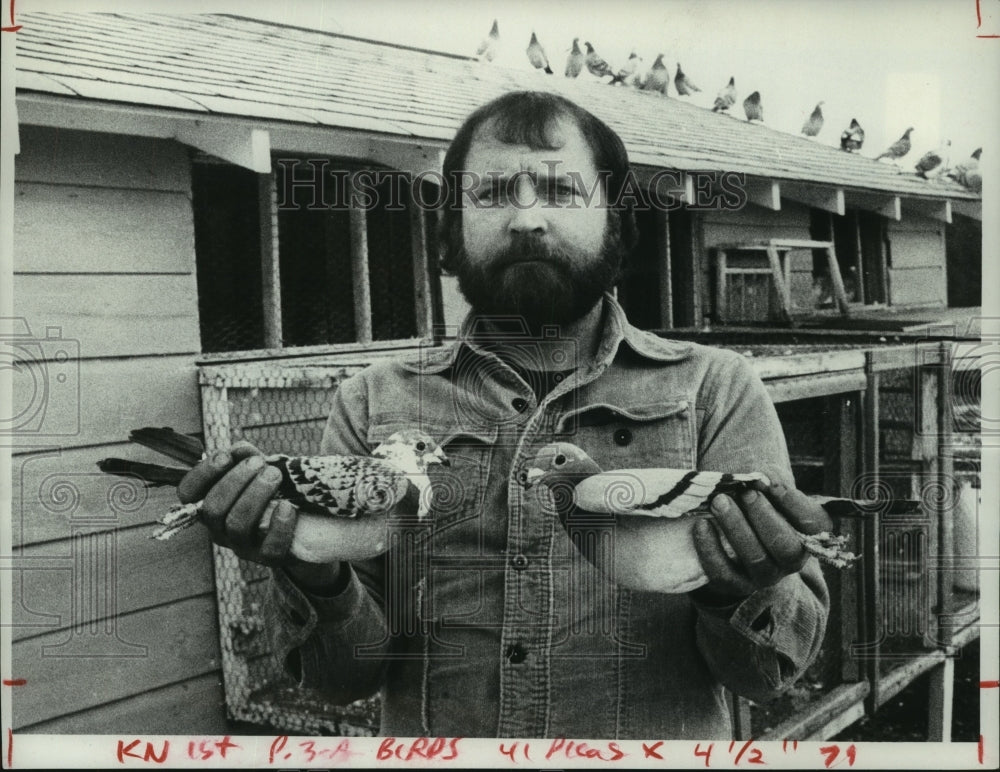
483 620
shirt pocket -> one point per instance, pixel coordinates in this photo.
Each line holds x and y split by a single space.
459 487
626 435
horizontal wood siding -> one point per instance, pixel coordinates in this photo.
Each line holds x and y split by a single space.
167 710
113 632
147 650
917 272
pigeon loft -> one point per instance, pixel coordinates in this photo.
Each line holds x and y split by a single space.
760 282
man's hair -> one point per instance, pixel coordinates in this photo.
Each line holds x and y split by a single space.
529 118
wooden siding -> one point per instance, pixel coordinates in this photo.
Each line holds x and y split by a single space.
113 632
917 271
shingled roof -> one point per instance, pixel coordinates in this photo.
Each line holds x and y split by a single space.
225 65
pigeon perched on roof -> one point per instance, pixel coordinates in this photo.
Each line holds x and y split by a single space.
657 78
897 149
581 492
853 137
967 172
726 97
595 64
753 108
814 122
536 55
575 60
682 83
933 162
488 48
627 70
337 485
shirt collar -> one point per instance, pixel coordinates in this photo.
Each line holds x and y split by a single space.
616 329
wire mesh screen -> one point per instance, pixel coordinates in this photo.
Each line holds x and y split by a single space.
278 409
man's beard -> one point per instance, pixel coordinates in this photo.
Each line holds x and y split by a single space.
540 283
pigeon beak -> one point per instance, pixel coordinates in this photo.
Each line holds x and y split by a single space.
438 457
530 477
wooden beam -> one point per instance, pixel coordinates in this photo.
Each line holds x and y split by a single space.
838 281
360 274
935 209
968 207
828 199
886 205
270 262
778 273
764 192
240 145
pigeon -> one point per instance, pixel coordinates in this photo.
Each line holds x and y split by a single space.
897 149
726 97
814 123
753 108
657 78
488 48
967 172
340 485
595 64
627 70
581 492
933 162
853 137
536 55
682 83
575 60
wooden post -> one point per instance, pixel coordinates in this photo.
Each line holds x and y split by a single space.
779 282
666 272
359 273
940 698
859 268
423 307
871 590
270 263
837 279
721 286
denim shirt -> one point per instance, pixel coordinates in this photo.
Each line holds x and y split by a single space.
485 621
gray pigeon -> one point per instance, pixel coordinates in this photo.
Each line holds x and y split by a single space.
575 60
967 172
853 137
933 162
682 83
658 77
753 108
815 121
488 48
726 97
595 64
536 55
897 149
627 70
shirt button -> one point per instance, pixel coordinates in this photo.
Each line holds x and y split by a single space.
520 562
520 404
623 437
516 654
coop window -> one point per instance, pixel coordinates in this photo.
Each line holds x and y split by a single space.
306 266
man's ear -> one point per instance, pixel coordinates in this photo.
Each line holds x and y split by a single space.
449 238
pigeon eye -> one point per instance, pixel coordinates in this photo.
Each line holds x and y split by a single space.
523 477
421 446
560 460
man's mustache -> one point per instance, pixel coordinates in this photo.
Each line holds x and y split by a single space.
523 249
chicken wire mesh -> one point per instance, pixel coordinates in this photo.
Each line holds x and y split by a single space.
278 409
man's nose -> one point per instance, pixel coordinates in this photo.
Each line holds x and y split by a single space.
527 215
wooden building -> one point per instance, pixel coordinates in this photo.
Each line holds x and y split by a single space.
177 208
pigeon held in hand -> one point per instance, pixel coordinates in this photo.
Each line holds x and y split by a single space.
331 485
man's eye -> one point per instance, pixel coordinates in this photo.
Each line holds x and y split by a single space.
560 191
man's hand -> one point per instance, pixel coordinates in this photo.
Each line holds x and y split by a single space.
242 514
760 527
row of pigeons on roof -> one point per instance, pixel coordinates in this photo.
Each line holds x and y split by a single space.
933 164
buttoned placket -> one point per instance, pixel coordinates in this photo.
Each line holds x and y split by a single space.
528 616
